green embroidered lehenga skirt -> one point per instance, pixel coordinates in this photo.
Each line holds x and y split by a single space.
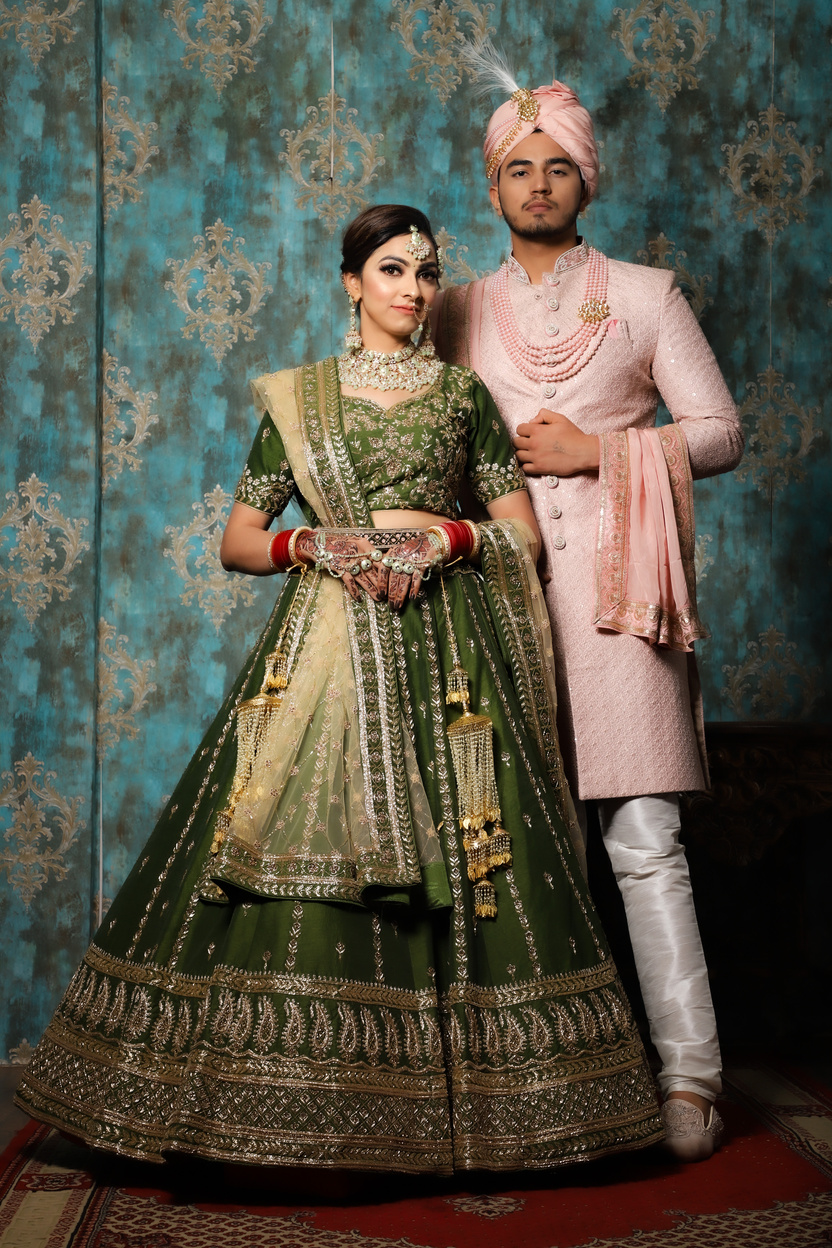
313 986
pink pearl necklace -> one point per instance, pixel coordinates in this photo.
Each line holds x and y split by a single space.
556 361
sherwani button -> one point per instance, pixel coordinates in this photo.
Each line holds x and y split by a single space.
550 390
555 512
551 329
553 303
558 541
551 482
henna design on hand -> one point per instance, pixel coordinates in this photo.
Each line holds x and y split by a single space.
396 576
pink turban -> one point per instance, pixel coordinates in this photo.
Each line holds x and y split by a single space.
555 110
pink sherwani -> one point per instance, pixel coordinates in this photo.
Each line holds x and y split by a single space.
629 713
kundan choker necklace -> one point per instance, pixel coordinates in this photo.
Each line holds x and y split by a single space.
556 361
411 368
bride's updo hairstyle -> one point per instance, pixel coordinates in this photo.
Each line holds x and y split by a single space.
372 229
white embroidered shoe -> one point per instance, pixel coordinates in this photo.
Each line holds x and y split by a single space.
688 1137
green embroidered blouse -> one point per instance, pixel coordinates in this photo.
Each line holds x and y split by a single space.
411 456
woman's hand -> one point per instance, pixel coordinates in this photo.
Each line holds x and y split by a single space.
348 558
416 554
395 574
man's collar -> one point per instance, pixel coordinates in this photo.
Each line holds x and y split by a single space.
577 255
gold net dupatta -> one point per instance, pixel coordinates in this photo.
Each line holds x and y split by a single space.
472 751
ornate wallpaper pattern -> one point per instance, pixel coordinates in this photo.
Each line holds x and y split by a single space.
176 178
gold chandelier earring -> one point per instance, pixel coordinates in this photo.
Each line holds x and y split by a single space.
425 345
352 341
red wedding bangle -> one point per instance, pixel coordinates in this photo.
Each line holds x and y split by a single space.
278 552
281 551
460 537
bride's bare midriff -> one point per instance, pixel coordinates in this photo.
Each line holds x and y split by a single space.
405 519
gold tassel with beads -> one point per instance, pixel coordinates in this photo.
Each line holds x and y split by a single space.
499 848
457 688
254 717
485 900
476 851
472 752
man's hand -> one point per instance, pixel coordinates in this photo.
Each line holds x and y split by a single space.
551 444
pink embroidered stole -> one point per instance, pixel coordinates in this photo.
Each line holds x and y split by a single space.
645 582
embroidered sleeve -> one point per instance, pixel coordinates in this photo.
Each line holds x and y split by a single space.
493 469
267 483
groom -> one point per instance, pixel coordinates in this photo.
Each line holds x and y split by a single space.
576 349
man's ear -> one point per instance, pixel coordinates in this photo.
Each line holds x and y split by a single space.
494 196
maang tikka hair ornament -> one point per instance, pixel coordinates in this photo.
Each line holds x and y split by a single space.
418 247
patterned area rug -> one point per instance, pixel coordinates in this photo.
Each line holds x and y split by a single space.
770 1187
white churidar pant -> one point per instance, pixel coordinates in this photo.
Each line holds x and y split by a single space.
641 836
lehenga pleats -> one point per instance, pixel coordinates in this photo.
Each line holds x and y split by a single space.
324 1017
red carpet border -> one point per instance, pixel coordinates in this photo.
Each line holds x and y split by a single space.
770 1187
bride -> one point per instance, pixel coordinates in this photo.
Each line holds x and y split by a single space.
360 936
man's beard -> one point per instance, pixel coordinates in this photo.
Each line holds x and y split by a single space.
538 229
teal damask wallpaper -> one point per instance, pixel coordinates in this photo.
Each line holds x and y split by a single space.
176 177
